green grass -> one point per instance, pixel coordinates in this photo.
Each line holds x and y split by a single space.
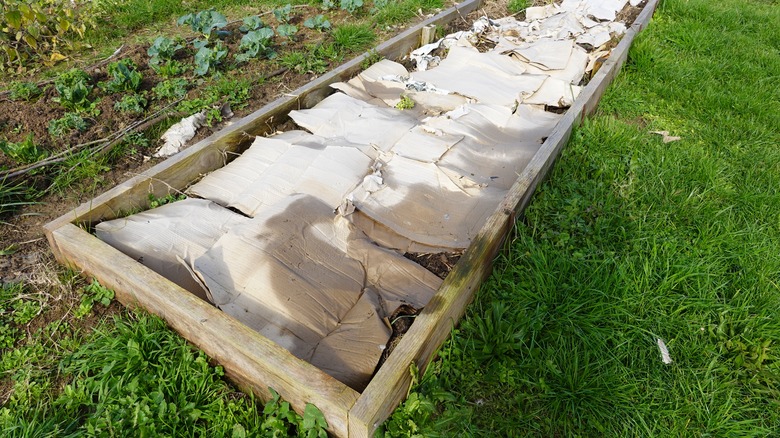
631 240
354 37
628 241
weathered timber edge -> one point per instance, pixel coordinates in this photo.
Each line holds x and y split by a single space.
249 359
434 324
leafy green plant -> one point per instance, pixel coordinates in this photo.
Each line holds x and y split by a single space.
372 57
93 293
378 6
155 201
124 75
66 125
351 6
8 336
286 30
32 31
26 91
318 22
131 103
280 419
163 49
515 6
206 23
25 151
283 14
256 43
25 310
405 103
171 68
209 58
171 89
253 22
73 88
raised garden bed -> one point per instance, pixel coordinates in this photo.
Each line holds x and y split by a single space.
250 359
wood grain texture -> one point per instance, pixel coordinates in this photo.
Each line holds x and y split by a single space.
434 324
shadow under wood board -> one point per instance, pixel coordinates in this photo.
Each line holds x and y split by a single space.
249 359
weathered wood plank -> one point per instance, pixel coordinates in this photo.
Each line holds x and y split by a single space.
434 324
250 359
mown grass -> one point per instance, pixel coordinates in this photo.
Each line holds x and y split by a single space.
631 240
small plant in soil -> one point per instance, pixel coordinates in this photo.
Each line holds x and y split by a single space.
171 69
66 125
73 88
125 77
93 293
25 151
162 50
208 57
170 89
351 6
256 43
515 6
206 23
251 23
131 103
318 22
283 14
405 103
26 91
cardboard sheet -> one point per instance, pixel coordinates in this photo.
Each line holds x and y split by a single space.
275 167
425 204
356 121
169 238
299 274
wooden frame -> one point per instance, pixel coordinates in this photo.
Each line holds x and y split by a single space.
249 359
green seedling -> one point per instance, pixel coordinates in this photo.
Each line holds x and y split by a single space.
25 151
131 103
73 88
256 43
208 58
171 89
283 14
405 103
206 23
124 77
26 91
66 125
318 22
163 49
351 6
286 30
251 23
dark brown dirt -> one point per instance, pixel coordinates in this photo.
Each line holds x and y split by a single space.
440 263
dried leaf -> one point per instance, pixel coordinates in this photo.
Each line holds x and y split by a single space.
666 138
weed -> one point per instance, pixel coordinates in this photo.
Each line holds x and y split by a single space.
171 89
124 77
354 37
26 91
78 167
371 58
25 151
131 103
155 201
14 195
405 103
515 6
93 293
170 69
66 125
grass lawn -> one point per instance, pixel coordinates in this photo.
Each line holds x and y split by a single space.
630 240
